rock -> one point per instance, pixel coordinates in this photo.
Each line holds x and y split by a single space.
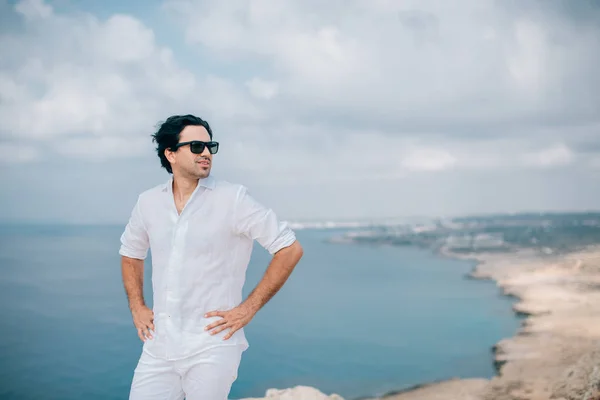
581 380
297 393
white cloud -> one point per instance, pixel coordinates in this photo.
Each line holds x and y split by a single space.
429 160
311 155
34 9
262 89
557 155
103 148
124 39
14 154
389 105
95 82
527 64
412 65
380 88
595 162
449 82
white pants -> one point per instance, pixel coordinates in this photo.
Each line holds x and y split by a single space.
205 376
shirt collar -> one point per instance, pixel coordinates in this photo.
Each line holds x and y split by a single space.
208 182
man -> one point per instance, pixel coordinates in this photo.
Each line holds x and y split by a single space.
200 231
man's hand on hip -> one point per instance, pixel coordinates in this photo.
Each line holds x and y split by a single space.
235 319
143 319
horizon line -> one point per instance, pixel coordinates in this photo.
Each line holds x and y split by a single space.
348 220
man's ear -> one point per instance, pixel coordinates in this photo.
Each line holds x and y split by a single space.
169 155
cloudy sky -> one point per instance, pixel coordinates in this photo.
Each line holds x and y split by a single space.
325 110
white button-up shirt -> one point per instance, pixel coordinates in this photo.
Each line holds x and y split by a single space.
199 259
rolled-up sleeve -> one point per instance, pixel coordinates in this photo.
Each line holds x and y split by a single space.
134 240
260 223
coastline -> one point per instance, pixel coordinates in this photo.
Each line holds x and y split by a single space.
556 352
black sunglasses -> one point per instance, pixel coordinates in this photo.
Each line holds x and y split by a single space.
197 146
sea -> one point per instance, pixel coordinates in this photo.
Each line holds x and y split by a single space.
356 320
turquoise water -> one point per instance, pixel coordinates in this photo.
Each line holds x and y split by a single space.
353 319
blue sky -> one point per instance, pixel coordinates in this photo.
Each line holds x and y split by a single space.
325 110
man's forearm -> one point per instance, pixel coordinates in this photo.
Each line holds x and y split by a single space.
277 273
132 270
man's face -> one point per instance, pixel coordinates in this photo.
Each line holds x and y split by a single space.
184 162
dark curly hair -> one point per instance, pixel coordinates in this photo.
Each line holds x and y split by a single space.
168 134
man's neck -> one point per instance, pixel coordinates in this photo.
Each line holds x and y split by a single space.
183 187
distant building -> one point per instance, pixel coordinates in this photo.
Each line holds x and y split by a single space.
459 242
488 241
475 242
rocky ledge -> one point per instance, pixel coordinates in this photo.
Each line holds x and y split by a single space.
297 393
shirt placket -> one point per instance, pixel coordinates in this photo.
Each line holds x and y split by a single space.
175 260
172 292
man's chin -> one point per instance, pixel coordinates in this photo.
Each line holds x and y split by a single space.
203 174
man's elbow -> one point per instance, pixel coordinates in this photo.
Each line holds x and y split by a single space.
298 250
293 252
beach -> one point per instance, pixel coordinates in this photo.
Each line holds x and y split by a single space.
555 354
